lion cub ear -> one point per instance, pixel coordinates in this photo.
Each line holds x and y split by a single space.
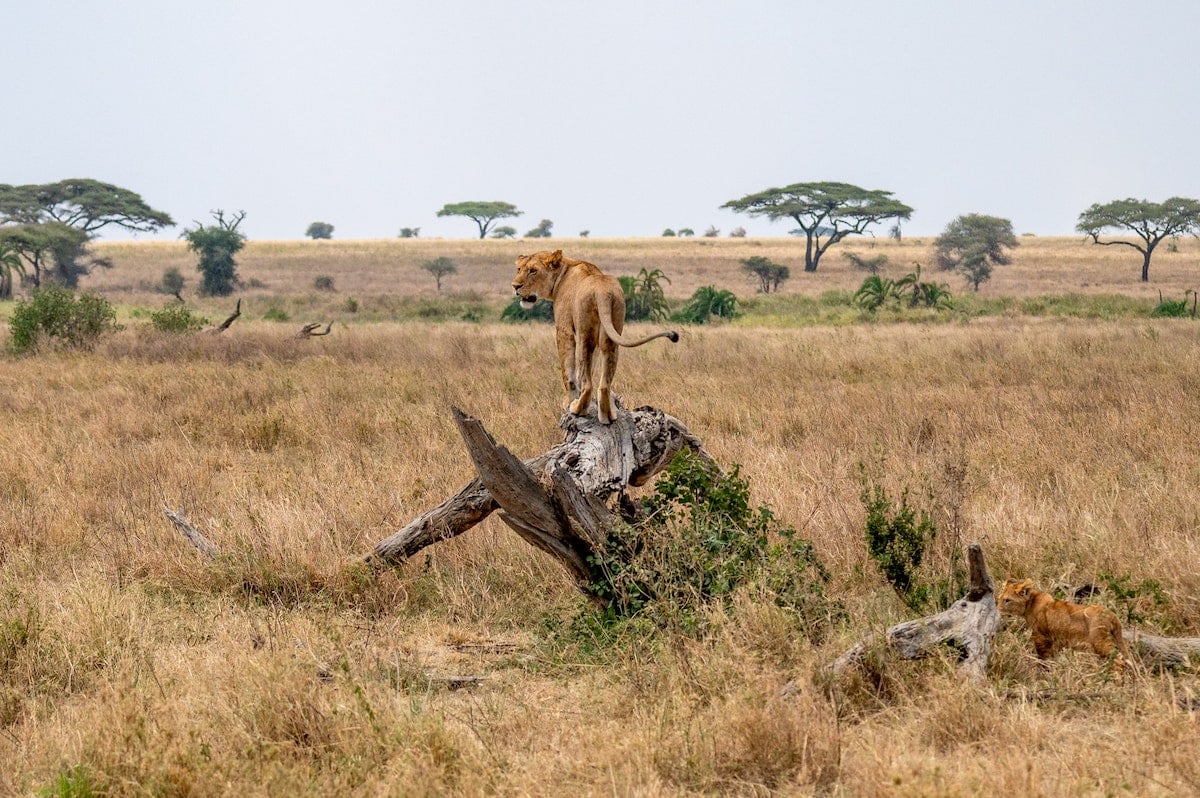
1024 587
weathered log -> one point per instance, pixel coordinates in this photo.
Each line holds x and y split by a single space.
557 501
223 326
1170 652
313 330
194 536
970 625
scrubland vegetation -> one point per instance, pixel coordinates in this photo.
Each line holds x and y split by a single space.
1057 425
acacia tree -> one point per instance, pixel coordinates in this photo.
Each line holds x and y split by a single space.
50 224
319 230
972 244
49 248
542 230
825 212
439 268
484 214
1149 221
769 273
87 205
216 244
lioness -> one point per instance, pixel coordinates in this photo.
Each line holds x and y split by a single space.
1054 625
589 313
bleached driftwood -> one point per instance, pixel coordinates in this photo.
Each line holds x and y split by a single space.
558 501
1170 652
313 330
970 625
194 536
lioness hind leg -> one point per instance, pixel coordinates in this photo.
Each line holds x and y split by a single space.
566 364
608 367
583 378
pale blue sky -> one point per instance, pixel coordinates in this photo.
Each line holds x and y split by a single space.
618 117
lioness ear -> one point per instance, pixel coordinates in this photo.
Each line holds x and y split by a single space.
555 258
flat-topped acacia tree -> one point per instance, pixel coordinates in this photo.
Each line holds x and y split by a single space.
1149 221
484 214
825 212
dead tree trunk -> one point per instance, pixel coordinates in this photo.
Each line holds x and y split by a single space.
558 501
969 624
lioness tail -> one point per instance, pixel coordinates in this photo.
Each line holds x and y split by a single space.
606 322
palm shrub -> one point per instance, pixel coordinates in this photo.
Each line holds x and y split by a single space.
644 296
875 292
708 302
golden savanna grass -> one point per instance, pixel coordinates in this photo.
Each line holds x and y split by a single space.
130 666
380 273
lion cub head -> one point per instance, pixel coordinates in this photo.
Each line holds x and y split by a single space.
1014 598
537 276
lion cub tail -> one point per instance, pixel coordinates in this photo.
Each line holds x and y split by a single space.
606 321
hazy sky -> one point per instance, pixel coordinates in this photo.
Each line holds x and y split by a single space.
618 117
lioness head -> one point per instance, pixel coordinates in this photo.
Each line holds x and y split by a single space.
1015 596
537 275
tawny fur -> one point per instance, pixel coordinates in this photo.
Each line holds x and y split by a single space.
1055 625
589 314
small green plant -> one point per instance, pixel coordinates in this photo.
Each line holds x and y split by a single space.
922 294
323 282
701 542
1135 601
899 539
74 782
514 313
644 297
707 303
350 305
1176 309
176 318
276 314
875 292
55 313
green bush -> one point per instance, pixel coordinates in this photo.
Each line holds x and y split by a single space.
708 302
176 318
55 313
514 313
701 542
323 282
276 314
899 538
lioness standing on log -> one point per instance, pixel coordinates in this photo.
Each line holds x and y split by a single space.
589 314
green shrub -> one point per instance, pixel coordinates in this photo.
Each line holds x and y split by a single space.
899 538
513 312
701 542
323 282
56 313
176 318
1177 309
172 282
708 302
276 314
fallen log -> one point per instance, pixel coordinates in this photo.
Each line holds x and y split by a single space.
969 625
559 501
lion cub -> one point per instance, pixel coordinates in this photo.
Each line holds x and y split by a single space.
1054 625
589 314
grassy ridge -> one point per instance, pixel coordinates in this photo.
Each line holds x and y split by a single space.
382 279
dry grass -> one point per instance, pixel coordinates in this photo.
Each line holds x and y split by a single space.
129 666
